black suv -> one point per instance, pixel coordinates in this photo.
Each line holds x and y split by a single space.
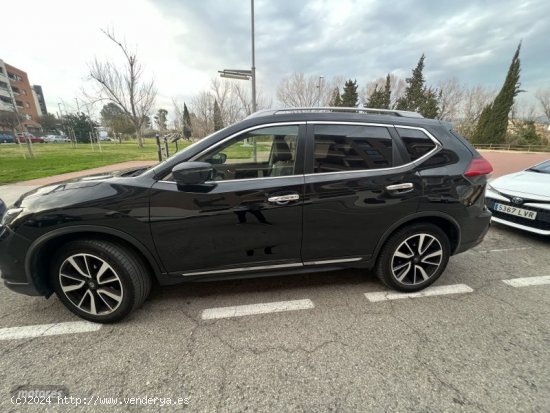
284 191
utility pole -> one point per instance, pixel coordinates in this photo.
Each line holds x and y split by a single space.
253 58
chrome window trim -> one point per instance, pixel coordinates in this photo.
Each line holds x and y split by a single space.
438 147
266 125
275 266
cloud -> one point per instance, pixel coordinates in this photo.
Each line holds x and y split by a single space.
184 43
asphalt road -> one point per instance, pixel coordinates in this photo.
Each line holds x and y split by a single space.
484 350
487 350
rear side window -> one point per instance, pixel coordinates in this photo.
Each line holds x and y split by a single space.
350 148
416 142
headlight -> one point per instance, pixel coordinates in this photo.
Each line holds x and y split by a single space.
10 216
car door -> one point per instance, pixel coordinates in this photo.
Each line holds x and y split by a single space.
356 186
247 218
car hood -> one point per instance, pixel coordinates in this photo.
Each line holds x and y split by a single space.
528 184
44 195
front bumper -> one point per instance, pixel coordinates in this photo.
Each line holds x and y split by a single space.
13 249
540 225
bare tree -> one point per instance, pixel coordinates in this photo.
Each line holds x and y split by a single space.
124 85
234 100
202 114
178 115
299 90
451 96
397 88
473 102
543 96
245 99
14 121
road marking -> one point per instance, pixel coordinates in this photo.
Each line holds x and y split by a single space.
430 291
252 309
527 281
42 330
506 249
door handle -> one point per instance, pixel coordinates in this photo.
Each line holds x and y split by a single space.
283 199
401 188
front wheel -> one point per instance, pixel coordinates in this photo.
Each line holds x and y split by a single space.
99 281
414 257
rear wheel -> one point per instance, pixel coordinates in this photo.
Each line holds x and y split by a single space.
100 281
414 257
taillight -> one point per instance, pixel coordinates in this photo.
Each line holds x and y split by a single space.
478 166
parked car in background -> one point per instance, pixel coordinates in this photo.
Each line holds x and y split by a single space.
56 139
284 191
6 138
22 137
522 199
106 139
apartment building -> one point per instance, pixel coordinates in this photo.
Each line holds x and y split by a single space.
16 94
39 100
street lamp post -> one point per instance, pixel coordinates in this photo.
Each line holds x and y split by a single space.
319 94
246 74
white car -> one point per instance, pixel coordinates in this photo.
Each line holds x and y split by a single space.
522 199
56 139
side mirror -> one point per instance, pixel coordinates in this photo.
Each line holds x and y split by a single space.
192 173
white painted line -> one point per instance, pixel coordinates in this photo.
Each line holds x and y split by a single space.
507 249
252 309
42 330
427 292
528 281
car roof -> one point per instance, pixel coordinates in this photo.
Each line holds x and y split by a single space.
341 115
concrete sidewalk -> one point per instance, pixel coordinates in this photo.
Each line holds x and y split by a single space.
10 193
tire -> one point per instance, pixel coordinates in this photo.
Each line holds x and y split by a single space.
99 281
413 257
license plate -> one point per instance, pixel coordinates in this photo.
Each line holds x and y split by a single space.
519 212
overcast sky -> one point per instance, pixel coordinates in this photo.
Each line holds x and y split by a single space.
183 42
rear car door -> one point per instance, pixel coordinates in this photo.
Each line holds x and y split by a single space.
249 217
358 183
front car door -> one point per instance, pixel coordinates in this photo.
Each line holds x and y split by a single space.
247 218
358 183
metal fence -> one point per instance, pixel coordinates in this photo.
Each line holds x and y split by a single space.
511 147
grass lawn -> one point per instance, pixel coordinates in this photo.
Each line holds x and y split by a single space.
57 158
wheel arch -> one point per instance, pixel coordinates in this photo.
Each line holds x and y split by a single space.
41 251
444 221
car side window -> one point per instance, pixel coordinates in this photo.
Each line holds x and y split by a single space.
417 142
264 152
351 147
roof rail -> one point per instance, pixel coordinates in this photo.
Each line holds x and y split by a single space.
392 112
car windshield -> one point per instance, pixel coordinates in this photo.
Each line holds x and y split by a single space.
543 167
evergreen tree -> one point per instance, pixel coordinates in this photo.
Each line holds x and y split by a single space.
187 128
160 119
350 97
218 121
380 98
419 98
493 122
335 99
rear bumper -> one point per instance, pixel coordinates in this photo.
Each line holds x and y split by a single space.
473 231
